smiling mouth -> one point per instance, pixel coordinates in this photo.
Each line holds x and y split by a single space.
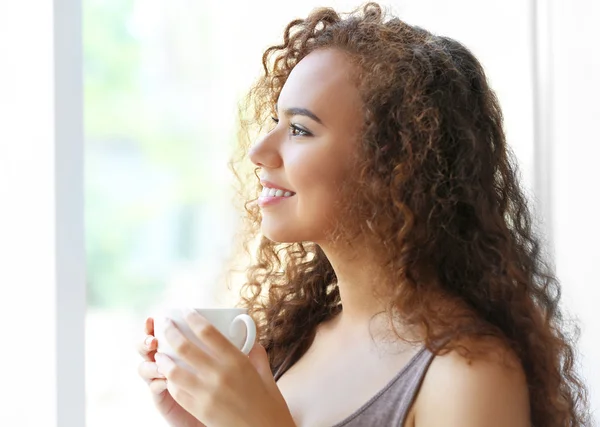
274 192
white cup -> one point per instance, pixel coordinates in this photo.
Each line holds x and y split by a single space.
234 323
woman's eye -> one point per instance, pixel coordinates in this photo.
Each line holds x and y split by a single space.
298 131
295 130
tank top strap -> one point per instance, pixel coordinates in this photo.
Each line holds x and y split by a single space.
390 406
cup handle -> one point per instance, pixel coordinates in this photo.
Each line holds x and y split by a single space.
250 331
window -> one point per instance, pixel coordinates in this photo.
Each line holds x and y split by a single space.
162 81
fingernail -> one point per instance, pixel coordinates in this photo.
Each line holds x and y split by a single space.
188 311
194 313
148 340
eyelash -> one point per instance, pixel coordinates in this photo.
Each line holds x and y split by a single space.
294 128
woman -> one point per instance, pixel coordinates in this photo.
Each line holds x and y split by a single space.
398 280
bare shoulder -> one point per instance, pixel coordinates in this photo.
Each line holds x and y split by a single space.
489 388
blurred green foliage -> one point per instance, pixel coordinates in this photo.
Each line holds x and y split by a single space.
141 164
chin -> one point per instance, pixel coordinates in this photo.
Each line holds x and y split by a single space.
280 233
282 237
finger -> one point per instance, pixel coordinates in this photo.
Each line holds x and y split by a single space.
186 349
147 348
185 399
149 329
157 386
149 371
210 336
260 360
175 374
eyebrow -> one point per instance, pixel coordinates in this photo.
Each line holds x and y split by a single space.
298 111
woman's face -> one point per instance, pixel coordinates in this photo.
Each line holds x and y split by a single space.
309 152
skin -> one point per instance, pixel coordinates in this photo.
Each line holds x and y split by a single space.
172 411
491 391
310 157
313 165
307 156
227 388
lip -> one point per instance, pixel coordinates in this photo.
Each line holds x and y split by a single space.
264 201
270 184
269 201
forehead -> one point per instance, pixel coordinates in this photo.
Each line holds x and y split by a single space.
322 81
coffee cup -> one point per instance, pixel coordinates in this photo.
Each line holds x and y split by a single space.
234 323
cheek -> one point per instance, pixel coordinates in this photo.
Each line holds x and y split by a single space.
316 169
313 169
318 189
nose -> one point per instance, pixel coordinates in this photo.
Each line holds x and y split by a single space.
265 153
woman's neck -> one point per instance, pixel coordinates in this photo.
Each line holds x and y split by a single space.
361 282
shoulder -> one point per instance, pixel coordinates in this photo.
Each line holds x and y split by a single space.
488 388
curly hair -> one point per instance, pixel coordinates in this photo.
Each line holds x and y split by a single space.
437 188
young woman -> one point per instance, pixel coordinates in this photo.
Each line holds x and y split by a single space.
398 281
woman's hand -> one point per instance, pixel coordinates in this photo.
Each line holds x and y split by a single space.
227 388
175 415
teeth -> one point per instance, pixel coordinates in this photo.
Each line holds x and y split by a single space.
273 192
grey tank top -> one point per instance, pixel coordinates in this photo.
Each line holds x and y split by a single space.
390 406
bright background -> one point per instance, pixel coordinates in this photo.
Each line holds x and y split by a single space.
159 84
162 80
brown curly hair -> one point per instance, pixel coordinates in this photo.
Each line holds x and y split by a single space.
437 188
